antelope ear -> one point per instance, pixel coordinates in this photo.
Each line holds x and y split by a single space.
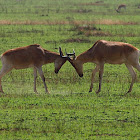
74 56
60 51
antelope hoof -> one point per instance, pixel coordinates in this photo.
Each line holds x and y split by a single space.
47 92
90 90
36 92
128 91
97 92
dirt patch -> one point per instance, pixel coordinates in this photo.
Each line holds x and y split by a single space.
89 30
97 33
97 3
115 22
86 27
28 22
107 135
78 40
65 22
70 40
82 11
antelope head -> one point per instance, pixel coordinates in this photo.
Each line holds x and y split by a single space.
76 63
59 62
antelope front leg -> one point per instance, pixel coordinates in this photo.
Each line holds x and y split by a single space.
92 77
5 69
43 79
100 77
35 76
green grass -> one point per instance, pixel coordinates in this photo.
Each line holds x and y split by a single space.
69 112
73 116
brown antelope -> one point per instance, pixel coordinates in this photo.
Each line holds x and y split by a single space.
30 56
108 52
120 7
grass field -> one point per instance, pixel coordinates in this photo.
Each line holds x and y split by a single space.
69 112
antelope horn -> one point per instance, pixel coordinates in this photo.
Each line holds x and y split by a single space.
60 51
66 53
61 54
70 54
74 54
